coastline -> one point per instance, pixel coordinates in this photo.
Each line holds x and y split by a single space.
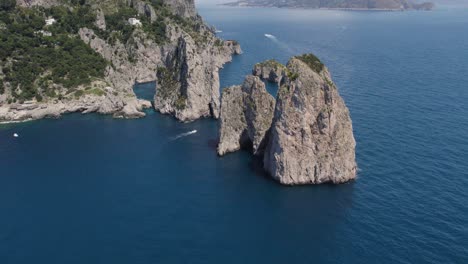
328 8
119 107
15 122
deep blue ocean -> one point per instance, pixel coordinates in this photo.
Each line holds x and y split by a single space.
92 189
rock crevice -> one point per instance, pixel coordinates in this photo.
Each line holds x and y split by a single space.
246 115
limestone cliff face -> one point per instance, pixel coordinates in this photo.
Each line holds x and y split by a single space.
188 87
135 61
246 116
186 70
310 139
233 46
144 9
185 66
269 70
44 3
107 103
184 8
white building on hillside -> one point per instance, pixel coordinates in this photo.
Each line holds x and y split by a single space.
50 21
44 33
134 21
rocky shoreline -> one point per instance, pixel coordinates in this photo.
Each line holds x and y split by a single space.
118 107
185 68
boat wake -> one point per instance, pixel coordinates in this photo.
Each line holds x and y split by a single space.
280 44
184 135
270 36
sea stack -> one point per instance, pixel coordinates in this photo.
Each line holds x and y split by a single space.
270 70
246 115
310 139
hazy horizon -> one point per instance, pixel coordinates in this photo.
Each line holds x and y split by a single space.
454 3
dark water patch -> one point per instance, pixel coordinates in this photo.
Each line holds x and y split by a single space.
271 88
145 91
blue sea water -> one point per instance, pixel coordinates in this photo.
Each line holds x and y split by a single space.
92 189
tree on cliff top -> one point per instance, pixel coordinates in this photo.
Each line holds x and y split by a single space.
7 4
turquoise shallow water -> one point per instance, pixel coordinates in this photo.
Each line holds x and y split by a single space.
91 189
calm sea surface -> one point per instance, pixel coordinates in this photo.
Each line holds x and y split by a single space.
91 189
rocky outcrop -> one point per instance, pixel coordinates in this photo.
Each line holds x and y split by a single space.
246 115
119 106
144 9
44 3
100 20
234 46
309 141
185 65
131 62
188 87
426 6
187 75
311 138
183 8
269 70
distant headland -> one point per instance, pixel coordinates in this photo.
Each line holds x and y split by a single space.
374 5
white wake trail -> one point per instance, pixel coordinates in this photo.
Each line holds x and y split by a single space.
281 44
184 135
270 36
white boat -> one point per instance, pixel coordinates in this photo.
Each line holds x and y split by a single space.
15 135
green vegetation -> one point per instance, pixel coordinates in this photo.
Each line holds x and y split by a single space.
250 103
218 43
329 82
283 90
167 85
118 22
31 60
181 102
69 20
292 75
79 93
36 58
2 87
93 91
6 5
312 61
271 63
191 26
155 30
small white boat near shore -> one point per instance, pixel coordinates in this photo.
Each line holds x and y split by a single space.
15 135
